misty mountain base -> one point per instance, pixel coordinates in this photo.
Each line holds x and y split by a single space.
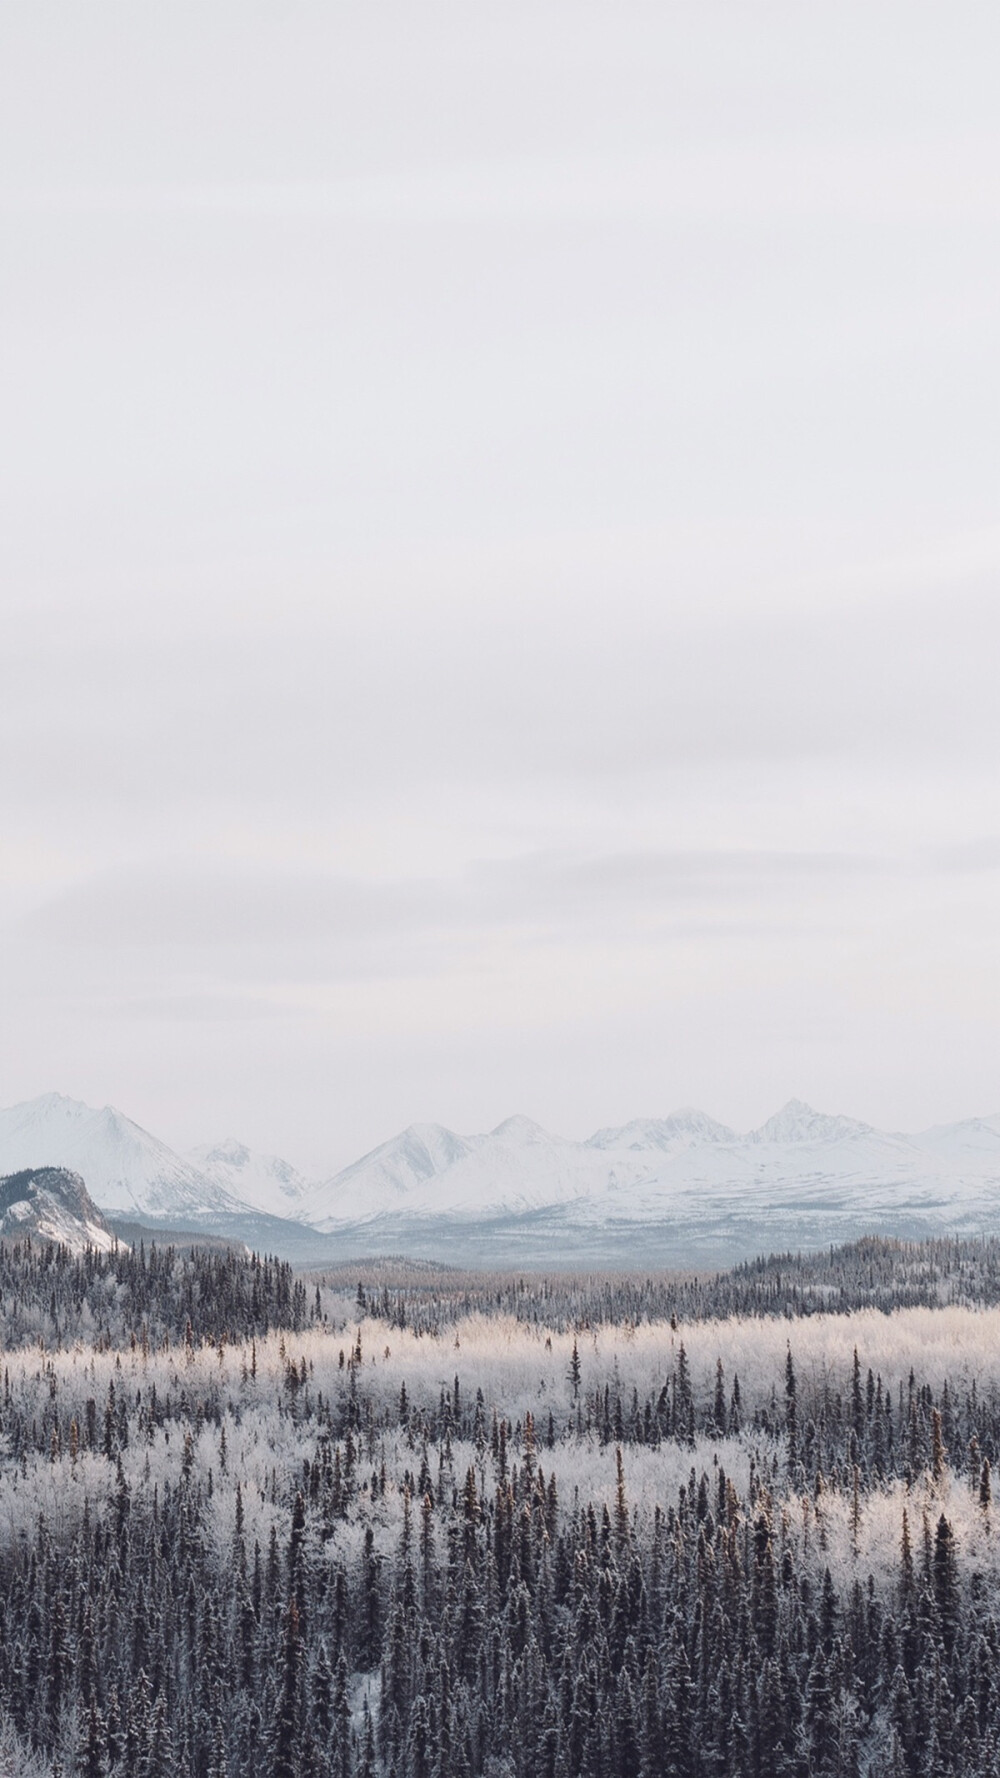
254 1525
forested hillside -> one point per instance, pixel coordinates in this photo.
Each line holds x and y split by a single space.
250 1525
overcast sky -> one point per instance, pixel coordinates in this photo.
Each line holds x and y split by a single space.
500 558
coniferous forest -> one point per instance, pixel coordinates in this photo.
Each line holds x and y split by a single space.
432 1525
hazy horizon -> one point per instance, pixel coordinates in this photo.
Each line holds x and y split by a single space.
500 545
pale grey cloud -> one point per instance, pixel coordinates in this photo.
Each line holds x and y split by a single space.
172 909
981 854
319 716
285 927
187 907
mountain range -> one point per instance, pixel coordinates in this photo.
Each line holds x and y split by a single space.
682 1189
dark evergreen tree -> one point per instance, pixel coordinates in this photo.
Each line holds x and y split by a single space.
287 1738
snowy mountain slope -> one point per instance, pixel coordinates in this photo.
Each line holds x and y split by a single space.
430 1171
263 1181
125 1168
799 1170
52 1204
960 1142
389 1174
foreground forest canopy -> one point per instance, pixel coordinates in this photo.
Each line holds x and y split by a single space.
415 1523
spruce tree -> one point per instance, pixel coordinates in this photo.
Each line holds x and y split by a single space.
286 1743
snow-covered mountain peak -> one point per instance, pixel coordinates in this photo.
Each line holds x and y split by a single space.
435 1140
424 1150
798 1122
972 1135
520 1130
118 1129
230 1152
685 1128
689 1120
418 1156
46 1109
264 1181
46 1102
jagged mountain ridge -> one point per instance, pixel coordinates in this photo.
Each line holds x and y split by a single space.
799 1164
52 1204
651 1189
686 1127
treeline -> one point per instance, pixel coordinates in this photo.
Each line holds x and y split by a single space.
872 1273
51 1294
